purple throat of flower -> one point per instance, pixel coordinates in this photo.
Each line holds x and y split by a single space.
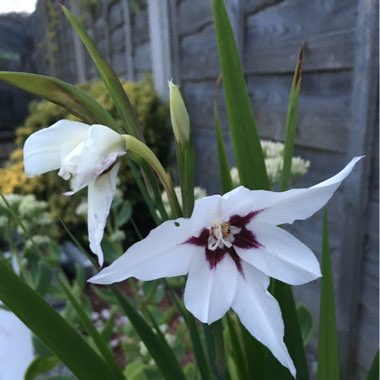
222 238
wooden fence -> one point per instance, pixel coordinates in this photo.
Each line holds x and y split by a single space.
338 116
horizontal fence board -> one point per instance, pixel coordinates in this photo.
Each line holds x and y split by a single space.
269 54
322 112
275 30
193 15
199 55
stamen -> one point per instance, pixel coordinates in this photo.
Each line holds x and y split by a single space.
221 234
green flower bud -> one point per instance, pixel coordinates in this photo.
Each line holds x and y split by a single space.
179 116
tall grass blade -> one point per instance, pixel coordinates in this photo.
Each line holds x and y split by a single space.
245 139
225 176
75 100
291 121
51 328
328 357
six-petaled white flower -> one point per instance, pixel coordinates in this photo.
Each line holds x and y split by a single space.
88 156
229 248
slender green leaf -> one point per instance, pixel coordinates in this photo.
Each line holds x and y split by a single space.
224 168
305 321
110 79
291 122
196 342
236 350
185 159
328 357
39 365
283 292
100 343
293 338
76 101
169 368
219 350
51 328
245 139
373 373
44 276
255 355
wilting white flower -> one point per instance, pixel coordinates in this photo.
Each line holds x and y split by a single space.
87 155
229 248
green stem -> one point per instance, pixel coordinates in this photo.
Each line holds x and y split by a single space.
219 351
136 146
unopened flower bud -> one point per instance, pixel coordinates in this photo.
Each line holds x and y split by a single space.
179 116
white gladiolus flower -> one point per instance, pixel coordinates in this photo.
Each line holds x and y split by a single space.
229 248
87 155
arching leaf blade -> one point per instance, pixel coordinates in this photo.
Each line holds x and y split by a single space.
72 98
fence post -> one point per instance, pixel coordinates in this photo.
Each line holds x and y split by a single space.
160 47
128 41
79 56
363 108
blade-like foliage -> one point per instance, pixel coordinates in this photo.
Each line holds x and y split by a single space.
236 350
293 338
196 342
40 365
373 373
51 328
328 358
283 292
291 121
225 176
305 321
64 94
245 139
110 79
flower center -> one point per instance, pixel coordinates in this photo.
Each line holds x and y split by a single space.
221 234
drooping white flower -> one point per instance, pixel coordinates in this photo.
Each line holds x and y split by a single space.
87 155
229 248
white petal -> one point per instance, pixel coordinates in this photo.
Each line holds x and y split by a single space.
299 204
101 147
100 195
240 201
260 313
44 149
161 254
281 255
206 212
210 292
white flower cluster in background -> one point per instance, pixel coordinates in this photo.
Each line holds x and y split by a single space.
274 159
199 192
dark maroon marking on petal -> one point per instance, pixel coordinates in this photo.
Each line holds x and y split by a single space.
246 239
237 260
201 240
215 257
242 221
